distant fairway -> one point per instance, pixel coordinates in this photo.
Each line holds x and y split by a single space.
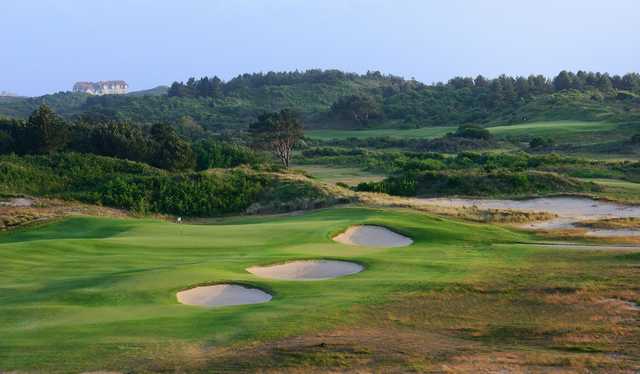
421 133
559 130
618 189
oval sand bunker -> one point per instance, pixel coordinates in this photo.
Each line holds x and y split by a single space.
307 270
372 236
222 295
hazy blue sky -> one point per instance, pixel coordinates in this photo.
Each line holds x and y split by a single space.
47 45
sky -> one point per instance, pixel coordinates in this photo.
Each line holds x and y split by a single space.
47 45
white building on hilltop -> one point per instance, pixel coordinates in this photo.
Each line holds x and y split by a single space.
102 87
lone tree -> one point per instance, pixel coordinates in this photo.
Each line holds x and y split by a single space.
277 132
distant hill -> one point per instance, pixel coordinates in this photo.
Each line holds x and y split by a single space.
7 94
64 103
156 91
335 99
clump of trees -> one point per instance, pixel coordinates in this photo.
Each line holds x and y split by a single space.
214 87
203 87
539 142
472 132
159 145
170 152
493 183
583 80
278 133
357 108
44 132
211 153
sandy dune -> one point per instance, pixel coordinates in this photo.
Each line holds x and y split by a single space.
372 236
569 211
222 295
307 270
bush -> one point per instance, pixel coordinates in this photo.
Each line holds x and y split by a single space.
214 154
472 132
501 183
144 189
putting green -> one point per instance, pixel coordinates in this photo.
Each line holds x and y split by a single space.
94 293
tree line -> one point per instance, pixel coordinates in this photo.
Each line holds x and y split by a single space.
159 145
332 98
215 87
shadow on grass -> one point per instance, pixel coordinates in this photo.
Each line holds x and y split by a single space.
71 228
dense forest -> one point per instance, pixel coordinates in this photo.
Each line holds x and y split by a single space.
331 98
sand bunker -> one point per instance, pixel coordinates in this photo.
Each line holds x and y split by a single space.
222 295
569 211
372 236
307 270
18 202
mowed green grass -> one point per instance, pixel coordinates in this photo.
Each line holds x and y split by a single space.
84 293
559 130
421 133
98 293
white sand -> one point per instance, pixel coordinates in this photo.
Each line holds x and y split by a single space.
372 236
628 305
307 270
18 202
569 210
222 295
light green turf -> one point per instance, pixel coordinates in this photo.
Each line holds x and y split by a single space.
617 189
78 293
347 175
421 133
559 130
96 293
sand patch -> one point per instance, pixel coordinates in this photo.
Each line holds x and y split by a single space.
222 295
17 202
372 236
569 211
307 270
623 304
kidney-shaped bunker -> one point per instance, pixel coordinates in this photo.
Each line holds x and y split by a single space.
307 270
222 295
372 236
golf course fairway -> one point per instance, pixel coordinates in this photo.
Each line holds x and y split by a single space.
88 294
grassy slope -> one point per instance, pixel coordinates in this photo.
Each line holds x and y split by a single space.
617 189
561 131
333 175
92 293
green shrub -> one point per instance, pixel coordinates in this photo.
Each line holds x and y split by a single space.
499 183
